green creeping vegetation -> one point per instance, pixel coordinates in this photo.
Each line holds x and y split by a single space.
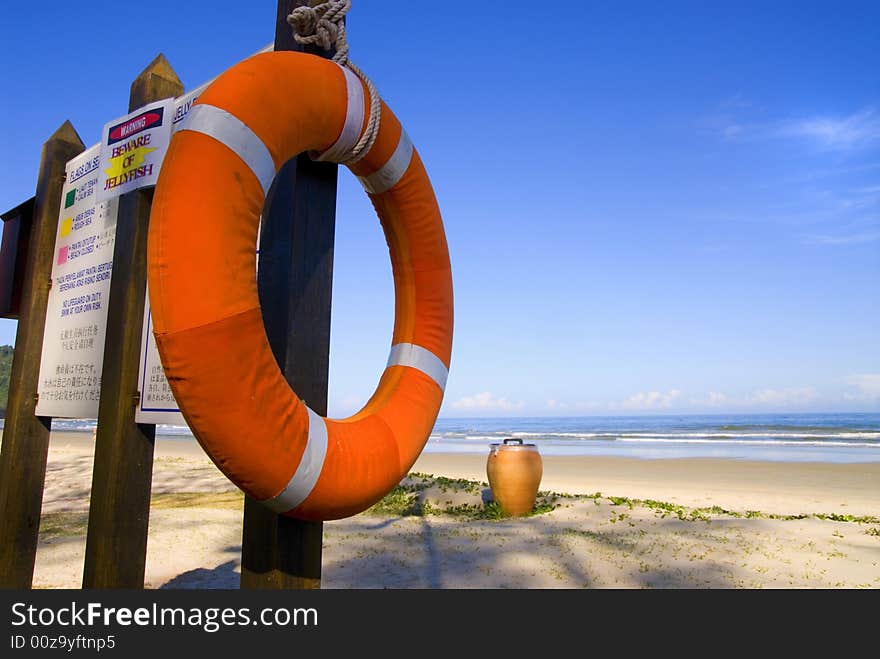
71 524
679 511
5 371
684 513
222 500
613 539
62 525
858 519
491 510
619 501
406 499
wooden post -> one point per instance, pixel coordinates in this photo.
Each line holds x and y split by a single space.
26 436
119 511
295 273
13 256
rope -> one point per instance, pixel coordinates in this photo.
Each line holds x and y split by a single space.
324 25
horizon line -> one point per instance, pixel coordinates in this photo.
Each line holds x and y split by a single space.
649 413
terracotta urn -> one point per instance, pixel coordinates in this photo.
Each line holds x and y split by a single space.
514 471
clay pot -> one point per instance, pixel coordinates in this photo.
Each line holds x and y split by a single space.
514 471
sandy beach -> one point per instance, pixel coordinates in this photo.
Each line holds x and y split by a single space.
612 523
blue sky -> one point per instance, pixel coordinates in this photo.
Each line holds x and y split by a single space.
651 207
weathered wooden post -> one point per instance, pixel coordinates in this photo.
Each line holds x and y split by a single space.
13 256
119 510
295 281
26 436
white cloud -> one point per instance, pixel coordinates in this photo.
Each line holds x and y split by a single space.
343 407
553 404
644 400
867 384
651 400
840 133
860 199
758 399
855 218
850 239
732 130
591 405
724 121
864 388
352 401
737 101
485 402
781 397
856 130
716 398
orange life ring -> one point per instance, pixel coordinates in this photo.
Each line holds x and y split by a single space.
203 288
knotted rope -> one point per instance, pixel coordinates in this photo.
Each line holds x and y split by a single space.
324 25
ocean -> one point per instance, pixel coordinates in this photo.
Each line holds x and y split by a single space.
776 437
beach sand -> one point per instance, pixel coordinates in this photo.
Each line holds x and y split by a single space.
626 523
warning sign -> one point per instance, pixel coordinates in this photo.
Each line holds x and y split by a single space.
132 149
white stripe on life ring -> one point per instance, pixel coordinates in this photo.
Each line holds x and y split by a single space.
308 471
229 130
409 354
354 121
392 171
